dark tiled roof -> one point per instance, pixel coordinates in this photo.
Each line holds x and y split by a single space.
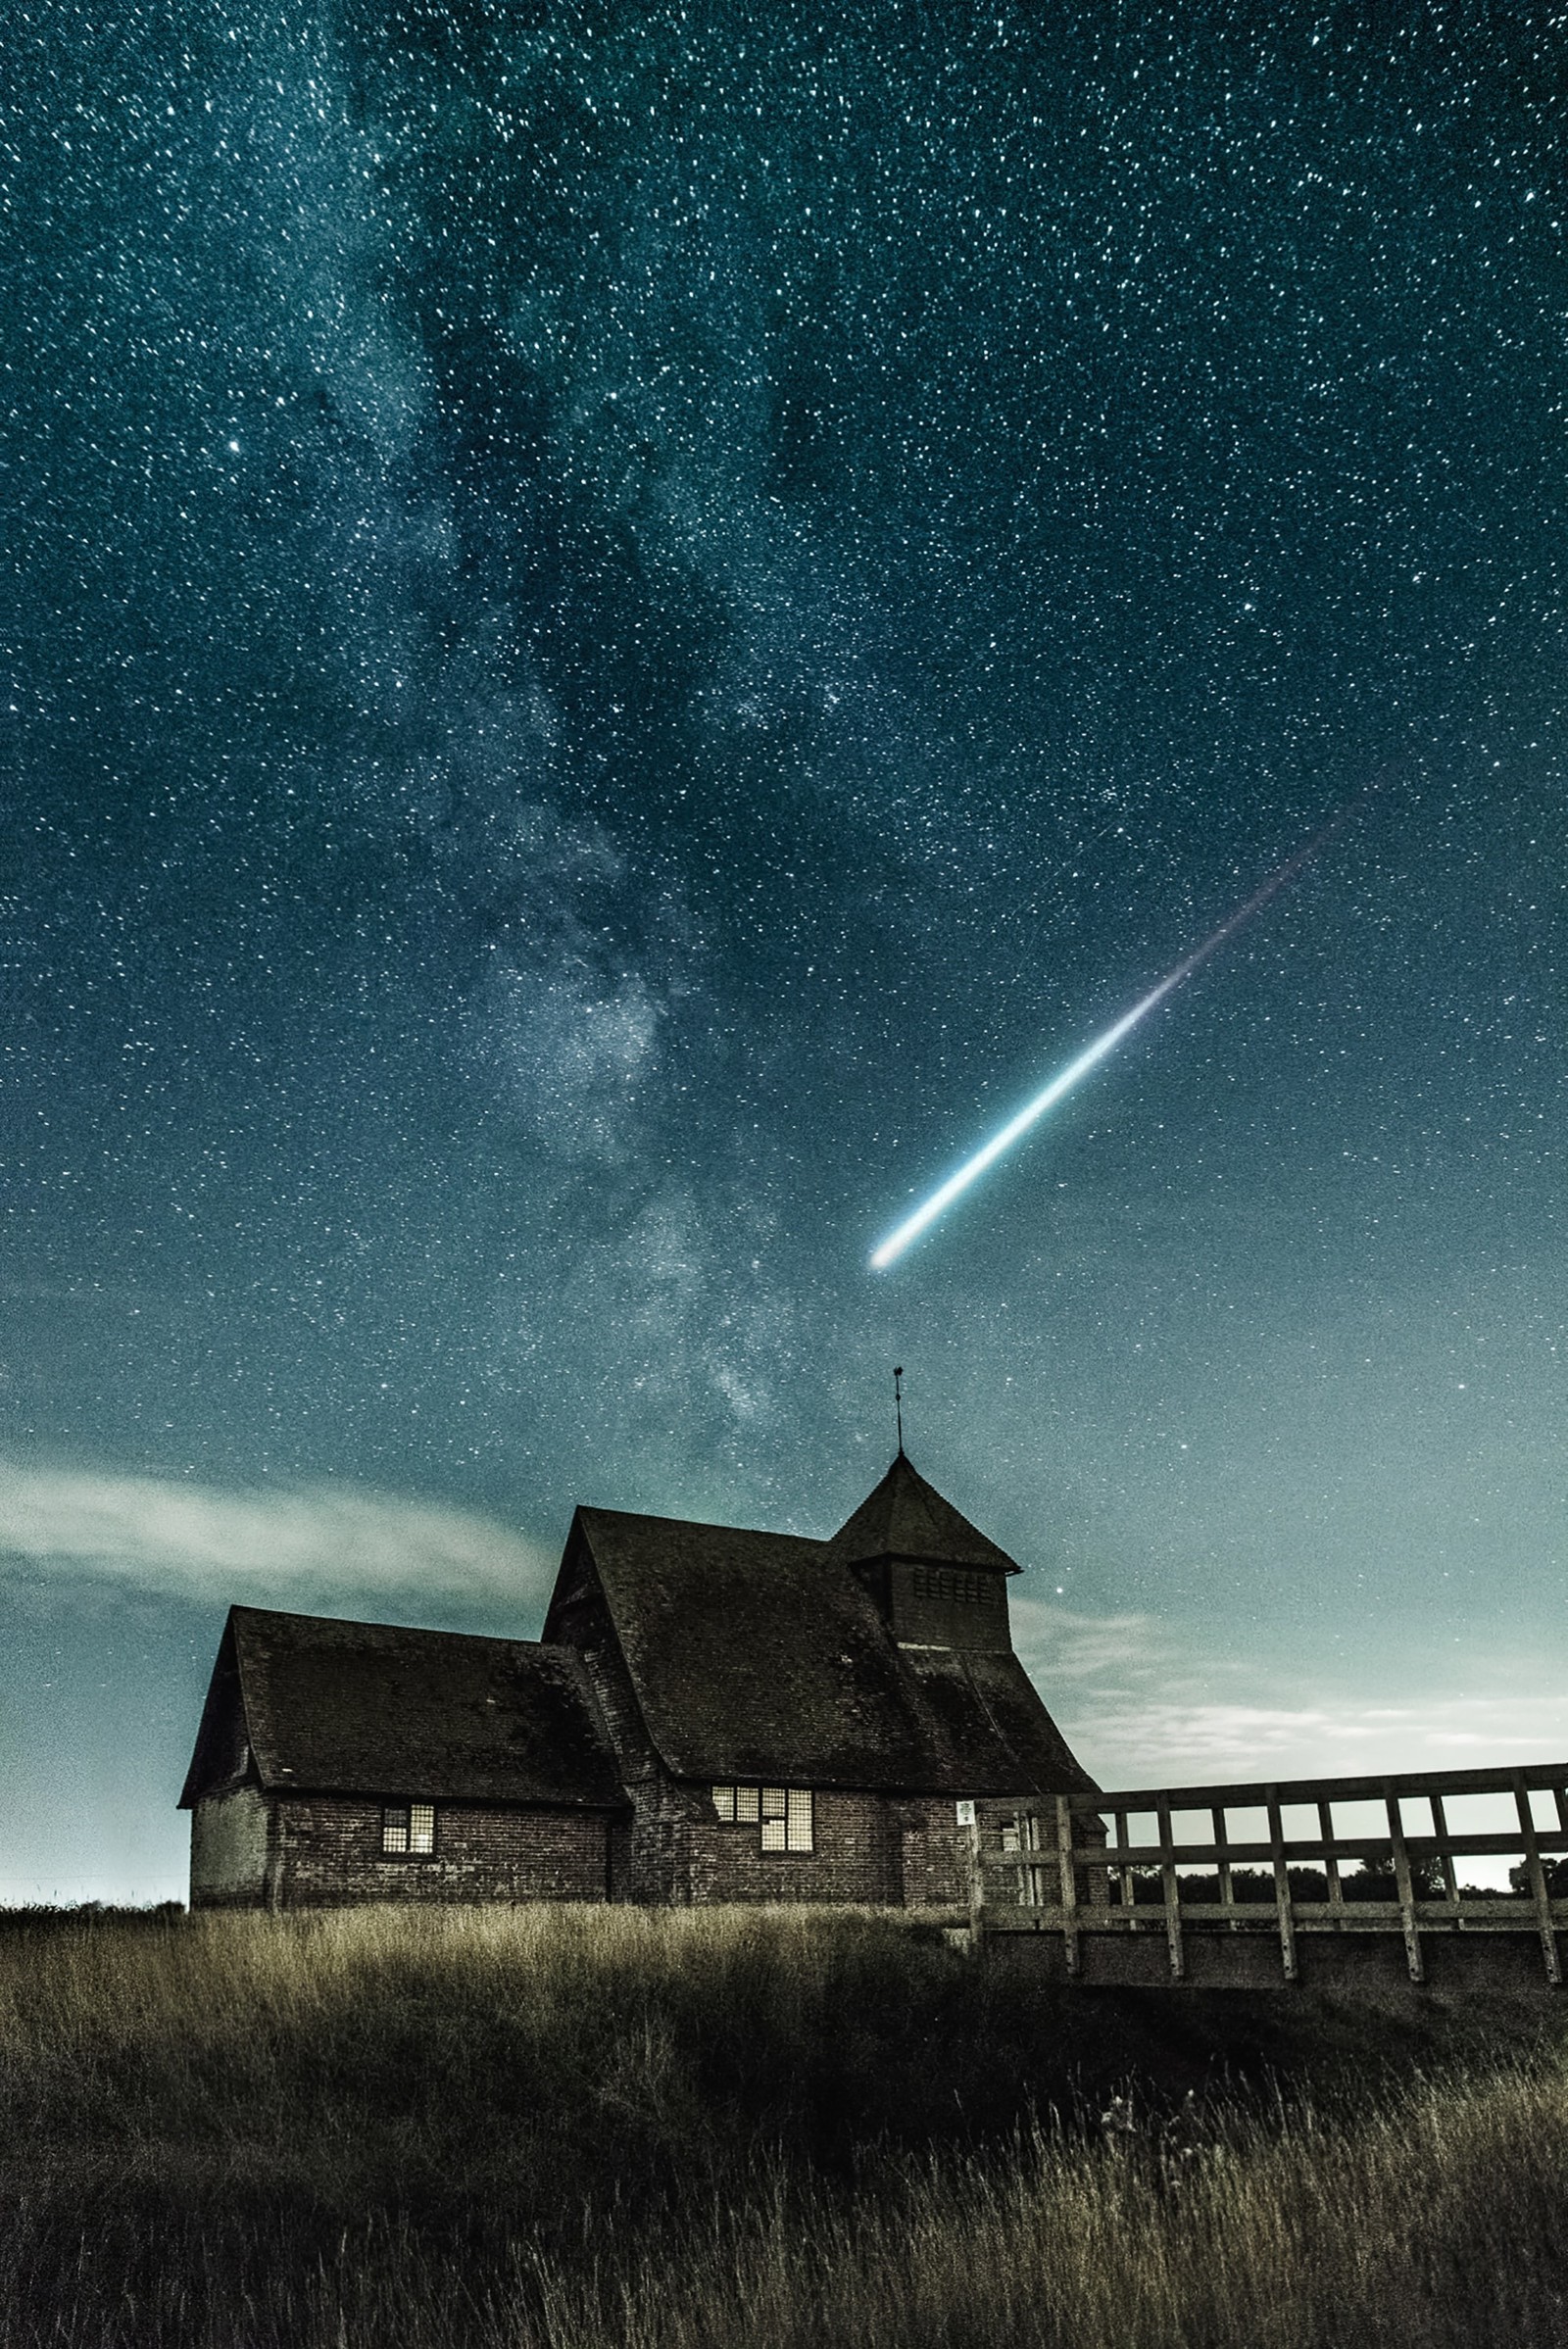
989 1707
904 1517
765 1656
370 1708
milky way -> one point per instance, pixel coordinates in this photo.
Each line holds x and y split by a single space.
606 605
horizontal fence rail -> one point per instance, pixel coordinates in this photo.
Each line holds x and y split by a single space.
1068 1866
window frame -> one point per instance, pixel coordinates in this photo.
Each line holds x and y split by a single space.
784 1817
409 1820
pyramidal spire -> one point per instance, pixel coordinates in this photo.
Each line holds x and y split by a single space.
904 1517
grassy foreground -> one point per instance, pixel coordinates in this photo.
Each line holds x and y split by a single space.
597 2128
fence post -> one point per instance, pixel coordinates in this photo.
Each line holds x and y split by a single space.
1171 1889
1538 1877
1069 1884
1282 1884
1227 1889
1124 1875
1451 1881
1031 1880
1403 1885
1331 1864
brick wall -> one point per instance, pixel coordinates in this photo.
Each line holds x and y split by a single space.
877 1849
852 1860
325 1850
229 1850
329 1853
933 1861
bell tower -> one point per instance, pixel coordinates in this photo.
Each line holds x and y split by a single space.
939 1581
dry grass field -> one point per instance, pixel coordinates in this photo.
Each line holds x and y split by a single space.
621 2130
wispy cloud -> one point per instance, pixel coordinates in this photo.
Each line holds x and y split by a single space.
302 1547
1140 1703
1194 1741
1058 1645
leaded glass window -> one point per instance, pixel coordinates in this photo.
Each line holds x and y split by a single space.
783 1815
407 1829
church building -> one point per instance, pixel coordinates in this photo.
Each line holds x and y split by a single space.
711 1715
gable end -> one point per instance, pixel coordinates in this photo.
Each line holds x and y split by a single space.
222 1759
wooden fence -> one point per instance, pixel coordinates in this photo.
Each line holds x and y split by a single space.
1068 1868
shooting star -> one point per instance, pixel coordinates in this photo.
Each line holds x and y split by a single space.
894 1246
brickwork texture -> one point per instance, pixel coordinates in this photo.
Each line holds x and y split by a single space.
327 1853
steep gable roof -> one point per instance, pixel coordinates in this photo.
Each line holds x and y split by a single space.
765 1656
371 1709
904 1517
988 1707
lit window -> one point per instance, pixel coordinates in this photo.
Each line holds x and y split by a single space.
408 1828
783 1814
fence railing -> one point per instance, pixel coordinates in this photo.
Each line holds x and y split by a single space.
1069 1866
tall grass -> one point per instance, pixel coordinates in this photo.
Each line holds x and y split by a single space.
567 2129
1436 2225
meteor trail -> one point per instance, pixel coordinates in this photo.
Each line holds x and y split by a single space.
946 1192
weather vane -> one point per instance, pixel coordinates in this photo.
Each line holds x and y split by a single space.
897 1403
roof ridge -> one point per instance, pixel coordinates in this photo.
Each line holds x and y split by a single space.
361 1623
701 1525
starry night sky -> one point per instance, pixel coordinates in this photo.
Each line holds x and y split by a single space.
621 628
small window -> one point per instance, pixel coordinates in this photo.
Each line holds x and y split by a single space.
783 1814
407 1829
